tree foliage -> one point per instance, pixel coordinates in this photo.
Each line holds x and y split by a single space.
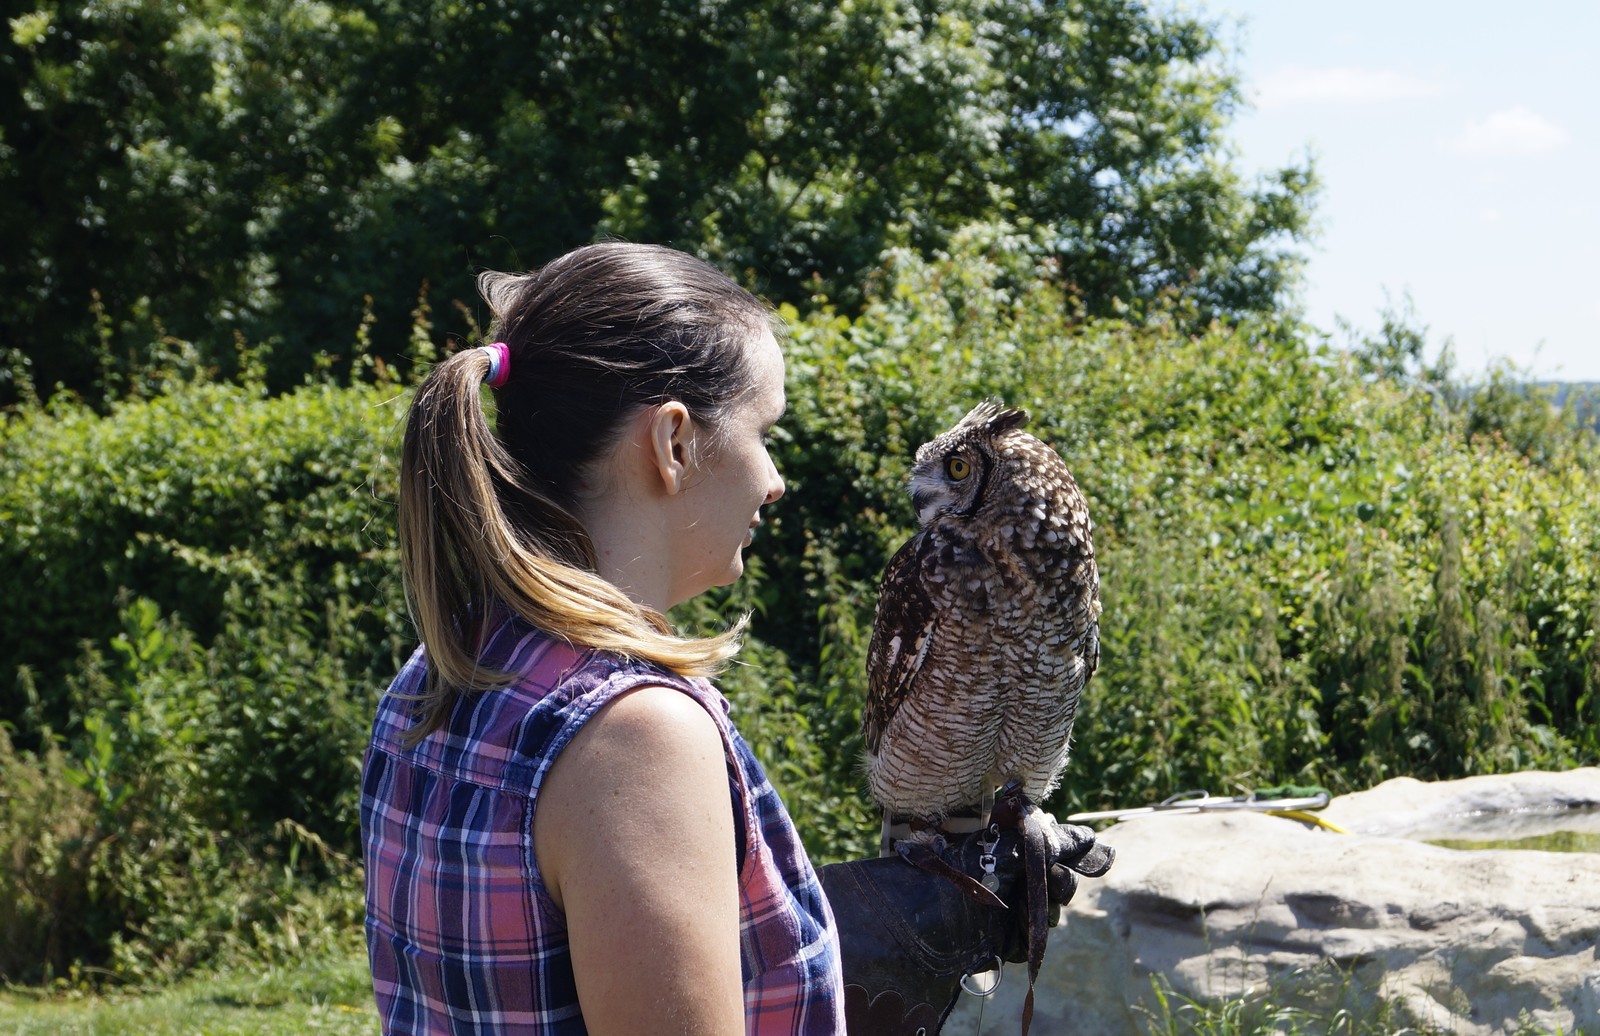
1312 570
262 166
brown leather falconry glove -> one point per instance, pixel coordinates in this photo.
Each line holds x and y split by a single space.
912 925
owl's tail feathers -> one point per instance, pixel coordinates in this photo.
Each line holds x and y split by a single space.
925 830
953 825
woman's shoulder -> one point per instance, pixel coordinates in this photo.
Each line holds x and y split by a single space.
509 734
582 677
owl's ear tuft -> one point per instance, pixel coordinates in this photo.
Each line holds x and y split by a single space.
1003 418
995 417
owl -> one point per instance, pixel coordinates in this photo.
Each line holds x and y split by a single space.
987 626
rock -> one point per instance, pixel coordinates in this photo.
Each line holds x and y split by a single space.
1478 942
1503 806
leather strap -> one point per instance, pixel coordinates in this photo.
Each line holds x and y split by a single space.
922 856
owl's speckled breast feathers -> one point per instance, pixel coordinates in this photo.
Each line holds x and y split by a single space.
988 623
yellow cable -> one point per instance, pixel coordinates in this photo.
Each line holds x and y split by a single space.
1309 818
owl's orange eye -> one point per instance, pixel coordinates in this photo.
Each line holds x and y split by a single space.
957 468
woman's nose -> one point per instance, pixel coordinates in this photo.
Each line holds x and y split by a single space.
775 486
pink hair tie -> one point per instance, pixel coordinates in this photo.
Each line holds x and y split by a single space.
499 364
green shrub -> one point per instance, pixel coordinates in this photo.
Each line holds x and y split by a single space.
184 497
1315 567
201 605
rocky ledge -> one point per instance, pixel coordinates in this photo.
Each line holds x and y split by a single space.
1212 906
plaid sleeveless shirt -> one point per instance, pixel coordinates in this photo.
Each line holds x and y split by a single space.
462 935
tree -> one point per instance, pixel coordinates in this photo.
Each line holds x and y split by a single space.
148 150
268 166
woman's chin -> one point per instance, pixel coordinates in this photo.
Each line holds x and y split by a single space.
726 577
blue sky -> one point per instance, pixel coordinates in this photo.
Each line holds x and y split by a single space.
1459 148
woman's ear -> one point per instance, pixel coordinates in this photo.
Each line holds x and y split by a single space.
670 438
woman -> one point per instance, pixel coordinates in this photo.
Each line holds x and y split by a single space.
546 797
563 831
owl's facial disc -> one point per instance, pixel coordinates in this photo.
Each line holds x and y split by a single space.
930 498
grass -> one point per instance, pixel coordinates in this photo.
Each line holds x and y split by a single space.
332 996
1255 1015
1334 1007
329 995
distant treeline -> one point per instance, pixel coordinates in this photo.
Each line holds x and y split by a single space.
1582 398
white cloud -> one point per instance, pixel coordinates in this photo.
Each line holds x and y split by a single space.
1512 133
1298 85
1491 215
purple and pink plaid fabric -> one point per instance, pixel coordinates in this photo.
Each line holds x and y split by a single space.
462 935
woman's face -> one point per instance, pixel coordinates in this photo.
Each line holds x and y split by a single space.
733 479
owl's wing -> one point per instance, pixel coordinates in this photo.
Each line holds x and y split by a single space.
931 582
907 621
1083 609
